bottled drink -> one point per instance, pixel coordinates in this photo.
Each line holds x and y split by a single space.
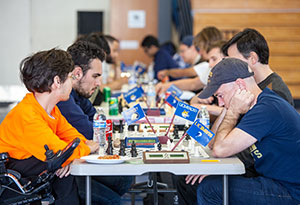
99 126
151 95
204 116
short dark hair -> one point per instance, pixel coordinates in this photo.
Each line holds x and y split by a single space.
38 70
99 39
247 41
83 53
110 38
149 41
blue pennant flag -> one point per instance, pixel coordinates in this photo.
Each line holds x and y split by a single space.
133 114
175 90
200 133
173 100
133 94
186 111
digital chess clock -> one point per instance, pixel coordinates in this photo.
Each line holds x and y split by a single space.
159 157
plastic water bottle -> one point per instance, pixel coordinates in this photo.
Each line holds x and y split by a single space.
204 116
151 95
99 126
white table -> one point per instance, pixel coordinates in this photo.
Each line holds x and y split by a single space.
225 167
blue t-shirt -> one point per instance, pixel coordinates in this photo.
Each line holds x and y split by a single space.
79 112
276 126
163 60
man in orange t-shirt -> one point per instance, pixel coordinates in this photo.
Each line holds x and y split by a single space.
37 121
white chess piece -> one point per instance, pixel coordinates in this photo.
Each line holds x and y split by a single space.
157 131
135 130
155 147
196 151
145 132
169 144
172 145
125 130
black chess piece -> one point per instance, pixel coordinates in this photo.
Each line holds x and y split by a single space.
121 126
175 133
109 150
159 146
120 105
122 148
133 150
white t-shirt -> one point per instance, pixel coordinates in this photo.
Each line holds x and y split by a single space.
202 70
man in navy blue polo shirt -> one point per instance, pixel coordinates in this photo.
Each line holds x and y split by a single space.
261 120
161 57
79 112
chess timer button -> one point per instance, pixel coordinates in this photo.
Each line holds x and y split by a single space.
166 156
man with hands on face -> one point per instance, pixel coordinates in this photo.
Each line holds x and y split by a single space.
261 120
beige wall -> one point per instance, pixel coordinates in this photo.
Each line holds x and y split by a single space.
277 20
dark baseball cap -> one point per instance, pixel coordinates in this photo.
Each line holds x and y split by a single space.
188 40
226 71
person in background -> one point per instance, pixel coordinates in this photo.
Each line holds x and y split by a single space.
187 192
79 111
202 41
36 121
250 46
215 55
261 121
162 58
205 38
190 55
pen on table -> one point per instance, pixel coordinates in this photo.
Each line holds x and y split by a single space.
210 160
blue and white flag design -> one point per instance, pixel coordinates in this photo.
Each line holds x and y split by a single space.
133 114
133 94
200 133
175 90
173 100
186 111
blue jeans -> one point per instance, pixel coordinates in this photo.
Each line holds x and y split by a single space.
258 190
105 190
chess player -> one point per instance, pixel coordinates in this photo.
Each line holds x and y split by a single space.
79 111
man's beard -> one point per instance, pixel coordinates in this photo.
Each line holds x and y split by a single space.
81 92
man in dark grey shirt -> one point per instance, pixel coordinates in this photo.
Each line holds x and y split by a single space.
250 46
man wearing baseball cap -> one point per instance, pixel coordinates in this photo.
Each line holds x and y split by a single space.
262 121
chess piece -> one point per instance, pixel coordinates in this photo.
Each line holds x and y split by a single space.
133 150
175 133
135 130
145 133
120 105
122 148
157 131
125 130
109 150
196 151
169 144
116 141
159 146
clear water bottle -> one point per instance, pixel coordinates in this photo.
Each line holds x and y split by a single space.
99 126
151 95
204 116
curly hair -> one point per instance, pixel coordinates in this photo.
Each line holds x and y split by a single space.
83 52
37 71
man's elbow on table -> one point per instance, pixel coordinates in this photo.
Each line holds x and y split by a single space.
220 151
